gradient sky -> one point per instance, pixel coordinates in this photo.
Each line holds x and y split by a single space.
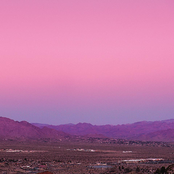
95 61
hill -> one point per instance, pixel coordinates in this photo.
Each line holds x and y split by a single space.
145 130
10 129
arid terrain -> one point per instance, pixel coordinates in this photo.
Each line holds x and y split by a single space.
27 148
142 131
145 130
85 156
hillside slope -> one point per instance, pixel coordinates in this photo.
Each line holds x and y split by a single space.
144 130
24 130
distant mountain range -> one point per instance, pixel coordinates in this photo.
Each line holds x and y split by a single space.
144 131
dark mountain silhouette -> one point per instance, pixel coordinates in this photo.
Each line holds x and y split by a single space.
10 129
145 130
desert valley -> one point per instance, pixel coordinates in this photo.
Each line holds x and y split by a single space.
86 87
142 147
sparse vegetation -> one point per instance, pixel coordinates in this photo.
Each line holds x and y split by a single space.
84 157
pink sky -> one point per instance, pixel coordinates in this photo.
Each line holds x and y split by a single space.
96 61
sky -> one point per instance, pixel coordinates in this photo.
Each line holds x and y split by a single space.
95 61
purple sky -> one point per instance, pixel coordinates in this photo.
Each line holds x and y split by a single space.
95 61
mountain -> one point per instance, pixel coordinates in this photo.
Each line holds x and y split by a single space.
10 129
145 130
162 135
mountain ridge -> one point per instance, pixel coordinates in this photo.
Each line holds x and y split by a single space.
143 131
10 129
134 131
